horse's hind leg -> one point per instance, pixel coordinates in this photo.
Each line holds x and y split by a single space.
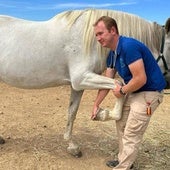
75 98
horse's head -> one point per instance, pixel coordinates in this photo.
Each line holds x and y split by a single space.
167 50
167 41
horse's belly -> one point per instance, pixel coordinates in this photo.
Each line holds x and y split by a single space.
33 76
34 82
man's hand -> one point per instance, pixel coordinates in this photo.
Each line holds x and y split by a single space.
116 90
94 112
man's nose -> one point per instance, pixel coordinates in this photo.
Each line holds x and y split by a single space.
98 38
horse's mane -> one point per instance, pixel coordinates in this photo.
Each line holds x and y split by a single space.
128 24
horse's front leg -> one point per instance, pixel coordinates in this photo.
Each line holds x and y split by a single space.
75 98
93 81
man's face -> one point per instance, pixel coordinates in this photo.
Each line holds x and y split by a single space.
103 35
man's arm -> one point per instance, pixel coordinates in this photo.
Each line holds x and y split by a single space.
138 79
102 93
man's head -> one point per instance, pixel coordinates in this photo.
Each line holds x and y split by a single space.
109 23
106 31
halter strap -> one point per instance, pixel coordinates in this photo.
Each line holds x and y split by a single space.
161 56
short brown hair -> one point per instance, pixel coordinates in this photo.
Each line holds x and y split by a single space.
109 23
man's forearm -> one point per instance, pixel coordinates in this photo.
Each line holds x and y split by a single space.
100 97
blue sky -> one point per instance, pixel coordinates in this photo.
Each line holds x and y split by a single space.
38 10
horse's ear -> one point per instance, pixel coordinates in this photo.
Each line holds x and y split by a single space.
167 25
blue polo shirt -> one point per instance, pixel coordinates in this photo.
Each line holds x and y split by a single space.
128 51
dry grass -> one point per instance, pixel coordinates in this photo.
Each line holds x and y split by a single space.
33 123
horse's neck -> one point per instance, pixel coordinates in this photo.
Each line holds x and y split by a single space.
167 48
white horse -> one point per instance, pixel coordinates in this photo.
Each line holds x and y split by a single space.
63 51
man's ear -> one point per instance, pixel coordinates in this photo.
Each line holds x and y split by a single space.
113 30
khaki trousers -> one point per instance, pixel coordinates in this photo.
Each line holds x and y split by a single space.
133 124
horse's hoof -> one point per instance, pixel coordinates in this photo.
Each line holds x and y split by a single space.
78 155
74 150
102 115
2 141
106 115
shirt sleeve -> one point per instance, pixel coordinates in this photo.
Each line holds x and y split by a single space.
133 53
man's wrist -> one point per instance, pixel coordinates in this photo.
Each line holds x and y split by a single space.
122 92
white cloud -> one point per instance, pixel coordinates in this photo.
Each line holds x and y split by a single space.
97 5
27 5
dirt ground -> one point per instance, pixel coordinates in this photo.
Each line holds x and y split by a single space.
33 123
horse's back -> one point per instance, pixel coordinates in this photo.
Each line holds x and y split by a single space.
8 21
5 19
